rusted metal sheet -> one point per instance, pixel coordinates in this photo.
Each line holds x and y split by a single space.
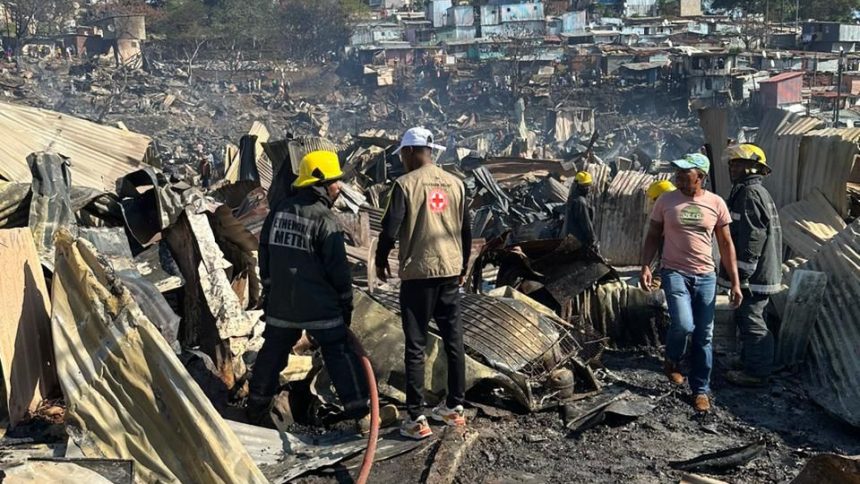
809 224
780 136
213 318
128 395
620 226
827 157
26 355
834 368
99 154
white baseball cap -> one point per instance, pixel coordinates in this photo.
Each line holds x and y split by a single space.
418 137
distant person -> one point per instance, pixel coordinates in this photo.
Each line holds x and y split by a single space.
579 218
757 236
652 194
204 166
428 214
307 286
687 219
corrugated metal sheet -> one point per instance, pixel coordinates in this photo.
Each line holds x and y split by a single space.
809 224
834 369
26 356
264 166
622 217
780 136
14 204
126 391
827 157
715 125
99 154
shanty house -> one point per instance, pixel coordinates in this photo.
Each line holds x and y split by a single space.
691 8
375 32
708 73
640 8
125 33
437 12
418 31
641 72
503 18
460 23
781 89
829 36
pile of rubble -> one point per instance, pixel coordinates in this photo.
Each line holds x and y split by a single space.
132 314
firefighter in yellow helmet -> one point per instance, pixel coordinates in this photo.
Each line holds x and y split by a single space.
307 286
579 218
658 188
757 237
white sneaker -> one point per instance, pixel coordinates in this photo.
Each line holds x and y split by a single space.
449 416
416 429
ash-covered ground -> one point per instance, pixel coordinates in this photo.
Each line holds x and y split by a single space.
538 448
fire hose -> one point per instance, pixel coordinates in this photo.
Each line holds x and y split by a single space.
370 451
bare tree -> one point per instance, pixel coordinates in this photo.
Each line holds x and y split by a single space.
27 15
752 31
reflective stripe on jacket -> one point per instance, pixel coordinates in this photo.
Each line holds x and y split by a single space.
757 236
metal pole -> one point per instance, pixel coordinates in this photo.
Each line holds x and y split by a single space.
838 90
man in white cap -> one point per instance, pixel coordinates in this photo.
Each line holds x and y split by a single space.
428 214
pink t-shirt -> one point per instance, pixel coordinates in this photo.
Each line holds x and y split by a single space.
688 229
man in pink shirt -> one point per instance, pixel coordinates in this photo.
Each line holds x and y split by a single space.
687 220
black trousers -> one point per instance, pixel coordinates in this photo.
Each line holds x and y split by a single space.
421 300
342 364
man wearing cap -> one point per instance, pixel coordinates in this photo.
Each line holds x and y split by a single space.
579 220
428 214
757 236
687 220
307 285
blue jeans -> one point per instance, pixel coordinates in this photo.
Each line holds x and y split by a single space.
691 300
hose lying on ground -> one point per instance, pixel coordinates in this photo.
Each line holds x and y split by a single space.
370 452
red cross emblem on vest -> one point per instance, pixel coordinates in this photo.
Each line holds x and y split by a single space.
438 200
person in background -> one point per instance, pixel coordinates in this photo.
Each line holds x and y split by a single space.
428 214
579 219
204 165
307 286
652 194
757 236
687 219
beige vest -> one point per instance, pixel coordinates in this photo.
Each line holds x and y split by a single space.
430 235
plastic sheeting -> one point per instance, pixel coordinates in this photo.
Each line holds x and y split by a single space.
127 394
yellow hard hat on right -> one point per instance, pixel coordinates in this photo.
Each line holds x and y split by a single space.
748 151
658 188
316 167
583 179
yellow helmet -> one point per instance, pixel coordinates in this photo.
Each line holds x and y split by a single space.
748 152
316 167
583 179
659 188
